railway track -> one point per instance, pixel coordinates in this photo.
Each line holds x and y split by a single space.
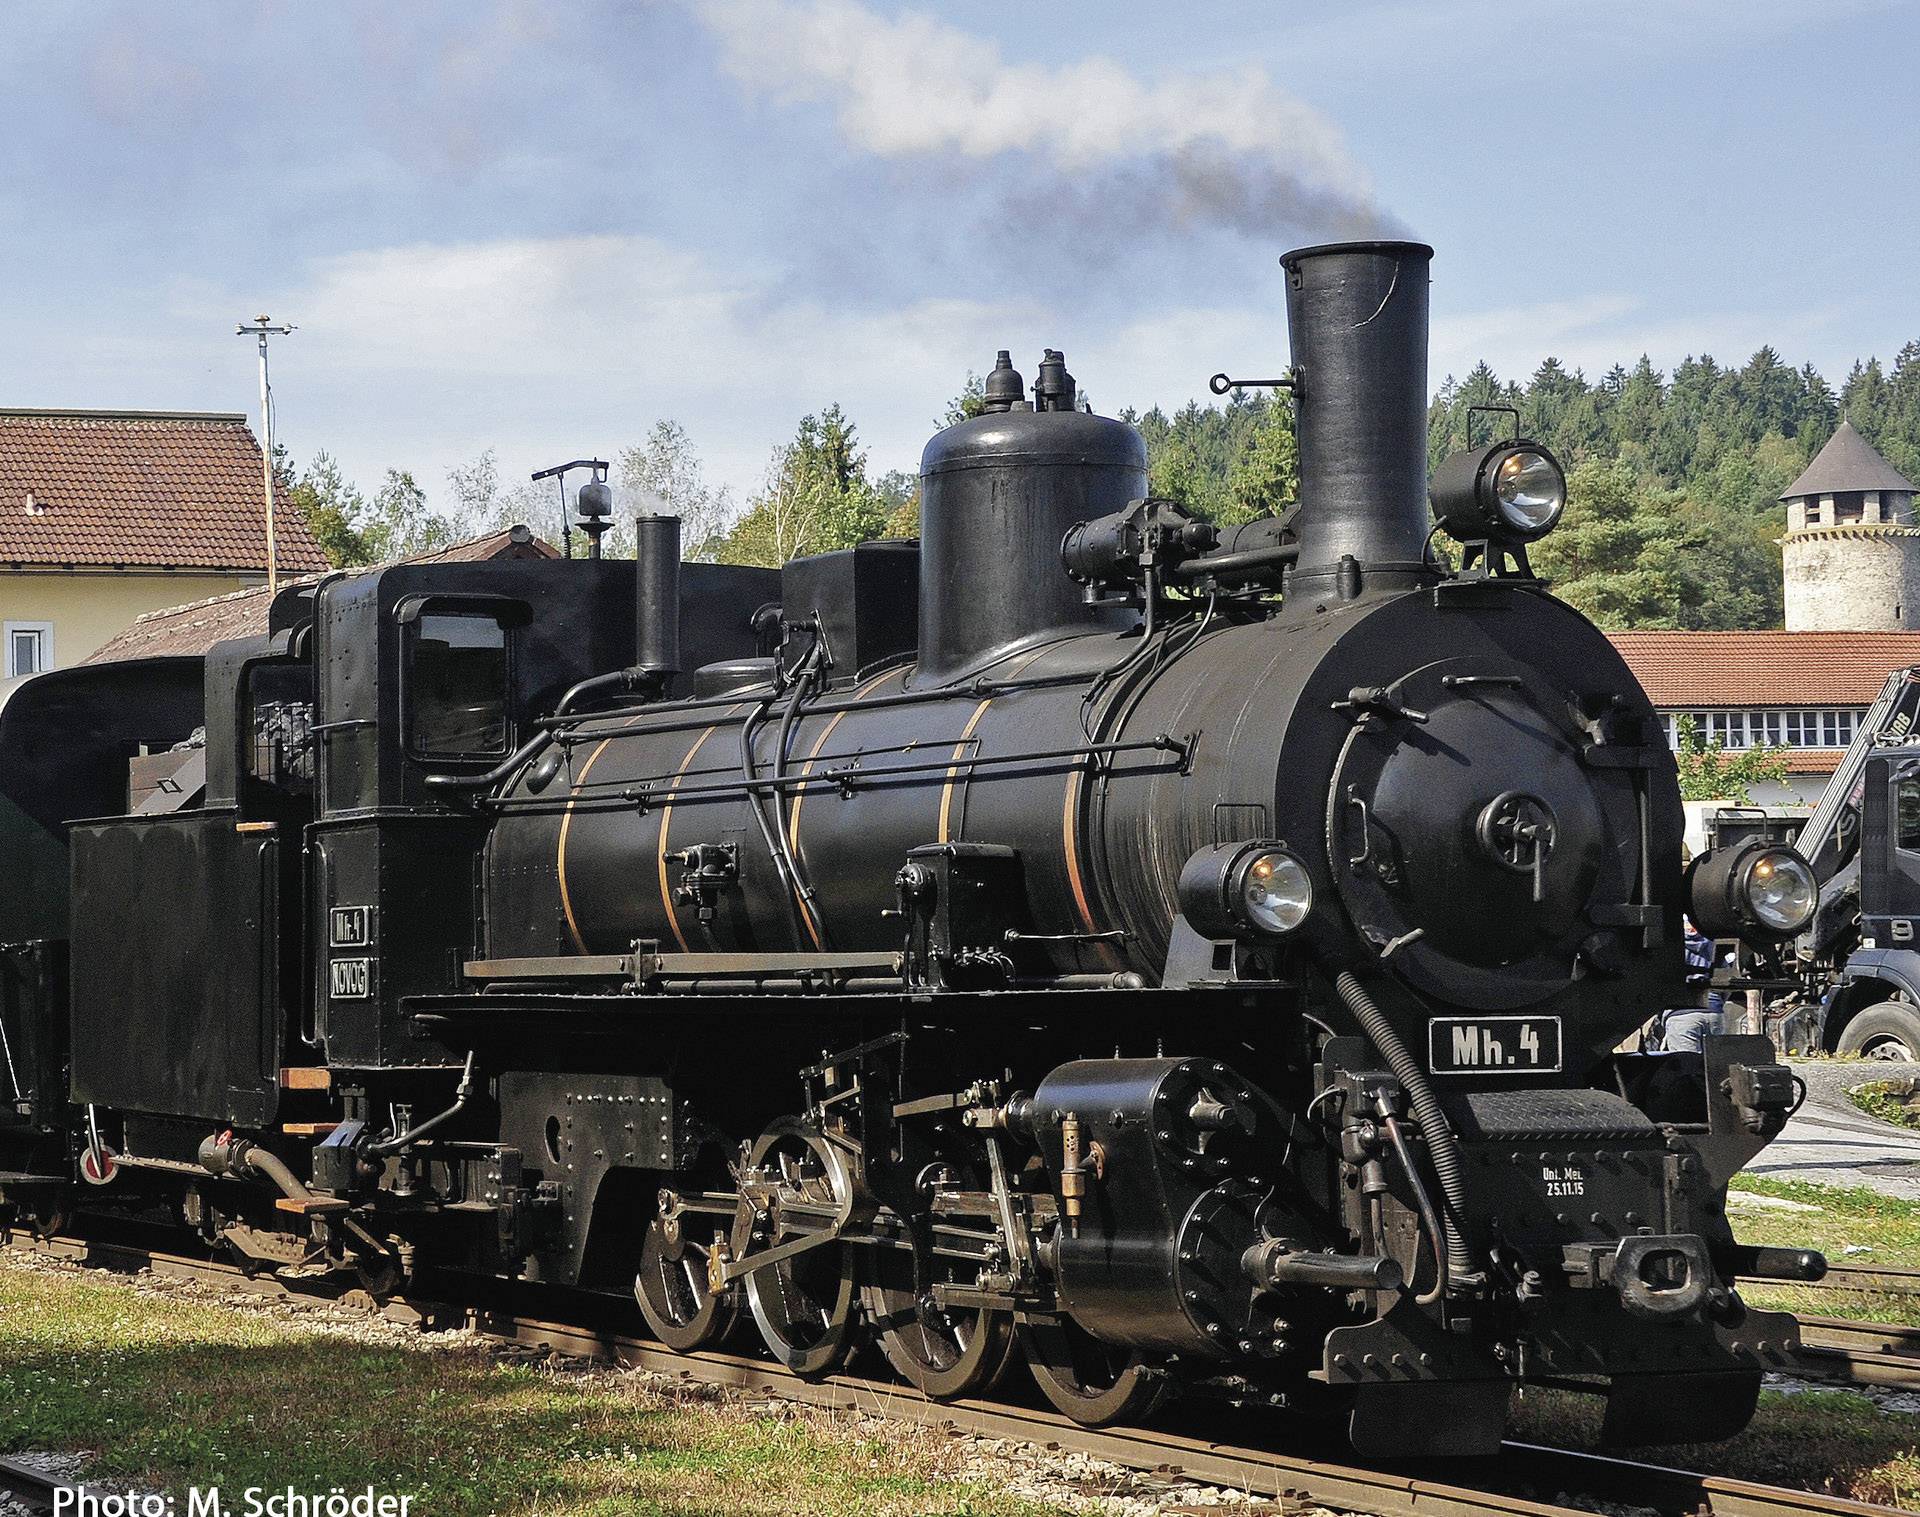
1524 1480
30 1487
1865 1279
1861 1353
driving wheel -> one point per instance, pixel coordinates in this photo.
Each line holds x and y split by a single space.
681 1309
803 1303
943 1352
1092 1382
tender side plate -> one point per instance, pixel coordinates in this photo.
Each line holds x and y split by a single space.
1493 1045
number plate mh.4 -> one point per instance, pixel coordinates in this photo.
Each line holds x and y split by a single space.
1493 1045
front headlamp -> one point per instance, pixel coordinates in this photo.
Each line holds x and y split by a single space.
1510 492
1761 892
1257 889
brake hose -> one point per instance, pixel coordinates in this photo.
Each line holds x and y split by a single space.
1442 1145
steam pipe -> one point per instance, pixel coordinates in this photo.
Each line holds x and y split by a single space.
1429 1218
500 772
236 1156
620 679
1232 563
462 1094
656 570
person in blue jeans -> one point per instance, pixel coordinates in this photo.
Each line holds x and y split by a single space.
1686 1029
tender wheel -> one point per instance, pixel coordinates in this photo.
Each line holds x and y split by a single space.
1889 1030
1092 1382
803 1304
380 1275
943 1353
45 1219
671 1287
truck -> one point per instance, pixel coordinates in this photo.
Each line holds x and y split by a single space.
1851 983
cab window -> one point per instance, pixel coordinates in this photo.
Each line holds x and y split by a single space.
457 681
1906 810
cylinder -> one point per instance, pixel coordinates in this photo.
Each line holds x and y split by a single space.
656 568
998 493
1357 314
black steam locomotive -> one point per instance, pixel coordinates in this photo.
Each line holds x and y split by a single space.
1193 958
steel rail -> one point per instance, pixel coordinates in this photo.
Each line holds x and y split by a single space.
1869 1279
32 1487
1429 1488
1861 1353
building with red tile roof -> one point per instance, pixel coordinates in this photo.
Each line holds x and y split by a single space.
1851 571
1802 691
108 514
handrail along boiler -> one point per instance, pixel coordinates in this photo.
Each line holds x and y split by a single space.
1190 957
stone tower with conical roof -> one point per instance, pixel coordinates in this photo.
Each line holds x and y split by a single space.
1851 555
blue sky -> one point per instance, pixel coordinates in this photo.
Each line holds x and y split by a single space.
538 228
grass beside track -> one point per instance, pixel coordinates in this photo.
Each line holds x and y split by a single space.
169 1391
1884 1099
1849 1224
1833 1441
174 1392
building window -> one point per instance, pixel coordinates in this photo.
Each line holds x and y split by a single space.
1767 728
1849 506
29 647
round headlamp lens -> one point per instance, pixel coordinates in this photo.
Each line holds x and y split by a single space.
1781 891
1275 892
1530 491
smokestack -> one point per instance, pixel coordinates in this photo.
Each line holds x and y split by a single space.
1357 314
656 571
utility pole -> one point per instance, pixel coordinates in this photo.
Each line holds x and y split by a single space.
262 328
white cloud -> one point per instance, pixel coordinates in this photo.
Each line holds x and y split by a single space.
420 356
544 347
1227 146
915 85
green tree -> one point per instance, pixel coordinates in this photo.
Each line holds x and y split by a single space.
1266 475
815 497
1176 472
969 403
1616 553
665 468
1633 554
399 524
900 494
1710 772
482 504
333 509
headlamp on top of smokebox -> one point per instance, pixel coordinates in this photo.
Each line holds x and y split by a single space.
1257 889
1507 492
1760 892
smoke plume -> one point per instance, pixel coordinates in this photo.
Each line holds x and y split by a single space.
1094 145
